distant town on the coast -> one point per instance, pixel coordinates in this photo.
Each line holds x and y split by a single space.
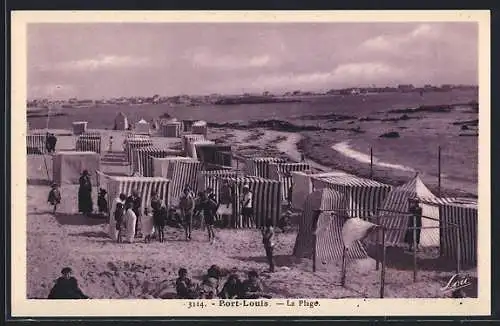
246 98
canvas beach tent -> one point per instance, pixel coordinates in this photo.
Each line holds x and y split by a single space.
142 161
364 196
115 185
121 122
89 142
200 128
68 166
395 205
182 173
161 164
465 215
35 143
282 172
142 127
79 127
189 138
320 228
259 166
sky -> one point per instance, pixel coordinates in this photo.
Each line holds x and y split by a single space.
103 60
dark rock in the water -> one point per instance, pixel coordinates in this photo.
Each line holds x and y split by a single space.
469 135
474 122
392 134
368 119
464 127
350 122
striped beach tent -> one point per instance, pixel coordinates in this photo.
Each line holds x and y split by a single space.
90 134
188 138
320 228
259 166
200 128
207 152
364 196
115 185
182 173
133 135
89 142
170 129
463 214
136 142
35 143
79 127
210 179
192 150
393 214
283 172
266 201
160 164
142 158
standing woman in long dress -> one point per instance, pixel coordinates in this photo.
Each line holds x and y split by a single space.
85 204
130 221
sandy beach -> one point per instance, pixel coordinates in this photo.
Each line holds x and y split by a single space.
109 270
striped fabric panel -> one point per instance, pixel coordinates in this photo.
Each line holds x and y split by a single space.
206 152
224 158
142 161
323 200
259 166
133 135
365 196
115 185
329 243
210 179
466 217
266 200
35 144
200 129
396 205
84 144
189 138
161 164
282 172
182 173
170 129
133 143
90 134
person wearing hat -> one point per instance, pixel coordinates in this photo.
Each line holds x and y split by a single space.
414 220
102 203
66 287
85 204
246 206
186 206
136 207
54 197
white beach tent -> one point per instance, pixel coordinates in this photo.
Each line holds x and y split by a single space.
68 166
142 127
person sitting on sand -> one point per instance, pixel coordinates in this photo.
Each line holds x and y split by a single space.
186 206
233 288
66 287
185 288
54 197
102 203
210 284
130 221
252 287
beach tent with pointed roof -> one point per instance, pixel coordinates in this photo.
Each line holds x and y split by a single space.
121 121
142 127
392 214
320 228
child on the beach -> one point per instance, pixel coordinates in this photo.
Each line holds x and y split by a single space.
54 197
110 148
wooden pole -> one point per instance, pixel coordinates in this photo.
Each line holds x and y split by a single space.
314 255
342 280
382 273
439 171
414 248
371 162
377 261
458 250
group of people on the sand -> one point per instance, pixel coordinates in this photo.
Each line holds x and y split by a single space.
210 286
50 142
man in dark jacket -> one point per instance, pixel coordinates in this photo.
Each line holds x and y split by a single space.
66 287
136 207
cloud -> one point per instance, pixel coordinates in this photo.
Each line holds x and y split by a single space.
394 42
207 59
101 62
